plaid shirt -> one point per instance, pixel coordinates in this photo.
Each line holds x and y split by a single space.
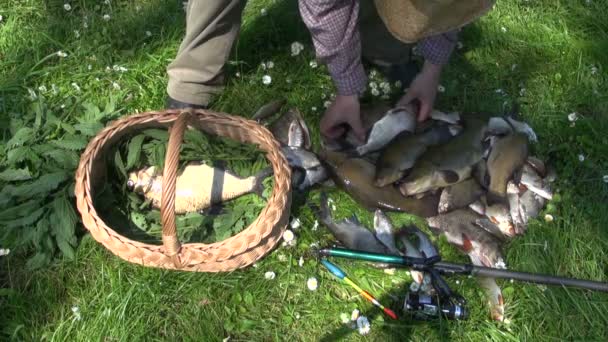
335 35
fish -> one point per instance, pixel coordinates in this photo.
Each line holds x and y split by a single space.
351 233
538 165
198 186
530 205
480 174
395 121
412 252
532 180
507 125
269 109
300 157
459 195
402 152
305 178
355 176
508 155
479 207
447 163
307 168
513 194
425 246
289 134
482 248
500 215
384 230
451 118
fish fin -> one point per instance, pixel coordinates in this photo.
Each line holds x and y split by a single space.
258 186
449 176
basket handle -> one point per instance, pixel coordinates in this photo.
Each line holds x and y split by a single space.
167 208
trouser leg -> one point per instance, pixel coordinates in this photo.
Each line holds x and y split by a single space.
377 43
197 72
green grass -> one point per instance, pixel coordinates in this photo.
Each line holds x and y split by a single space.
549 48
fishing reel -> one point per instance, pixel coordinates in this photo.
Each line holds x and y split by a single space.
426 307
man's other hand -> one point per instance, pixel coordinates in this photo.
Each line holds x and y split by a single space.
344 109
423 89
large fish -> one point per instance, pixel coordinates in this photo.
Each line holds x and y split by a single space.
197 187
459 195
508 155
403 151
448 163
396 121
482 248
355 176
290 129
507 125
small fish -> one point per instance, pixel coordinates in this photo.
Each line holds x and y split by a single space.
305 178
508 125
479 207
500 215
350 231
384 230
425 246
480 174
412 252
197 187
513 194
355 176
395 121
269 109
287 134
426 178
370 114
482 248
538 166
404 150
535 183
459 195
530 205
451 118
306 167
507 156
299 157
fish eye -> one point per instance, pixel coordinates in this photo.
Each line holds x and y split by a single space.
130 184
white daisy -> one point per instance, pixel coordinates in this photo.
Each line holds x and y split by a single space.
344 318
500 264
522 91
315 226
76 34
54 89
266 79
297 315
313 64
581 158
312 283
33 95
605 178
503 29
75 86
296 48
288 235
295 223
593 70
354 315
61 54
269 275
263 65
363 325
4 251
76 312
89 67
282 258
549 218
398 84
270 65
42 89
115 85
67 7
440 88
314 109
390 271
148 33
572 116
373 85
326 104
263 11
301 262
375 92
106 17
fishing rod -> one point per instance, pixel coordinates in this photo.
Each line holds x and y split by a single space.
448 268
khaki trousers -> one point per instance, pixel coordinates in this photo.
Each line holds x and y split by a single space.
197 74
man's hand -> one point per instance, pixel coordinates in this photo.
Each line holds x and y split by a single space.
343 110
424 89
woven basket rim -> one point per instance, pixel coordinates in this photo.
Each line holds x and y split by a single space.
239 250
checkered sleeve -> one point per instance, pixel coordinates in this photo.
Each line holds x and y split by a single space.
335 35
438 49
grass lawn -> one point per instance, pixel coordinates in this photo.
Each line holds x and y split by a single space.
549 56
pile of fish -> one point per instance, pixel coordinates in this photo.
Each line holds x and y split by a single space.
471 176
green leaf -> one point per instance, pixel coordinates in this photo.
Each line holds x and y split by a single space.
71 142
22 136
134 150
12 175
64 222
68 128
89 128
19 154
158 134
37 261
92 112
67 160
42 185
19 210
119 163
27 220
65 247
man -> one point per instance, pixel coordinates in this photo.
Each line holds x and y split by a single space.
388 27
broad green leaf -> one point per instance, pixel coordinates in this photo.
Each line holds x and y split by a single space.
19 154
23 135
71 142
42 185
119 163
26 220
68 128
155 133
65 247
37 261
89 128
92 112
67 160
134 150
12 175
65 217
19 210
37 108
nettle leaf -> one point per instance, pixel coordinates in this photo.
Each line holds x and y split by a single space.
23 135
65 247
134 150
19 154
158 134
38 260
71 142
12 175
42 185
120 164
19 210
92 112
65 218
89 128
65 159
27 220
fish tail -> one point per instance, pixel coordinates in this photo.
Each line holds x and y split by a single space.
258 183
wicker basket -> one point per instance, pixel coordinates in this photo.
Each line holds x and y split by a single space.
238 251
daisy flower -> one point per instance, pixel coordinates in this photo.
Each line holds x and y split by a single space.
572 116
61 54
363 325
440 88
266 79
67 7
269 275
312 283
581 158
106 17
296 48
313 64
